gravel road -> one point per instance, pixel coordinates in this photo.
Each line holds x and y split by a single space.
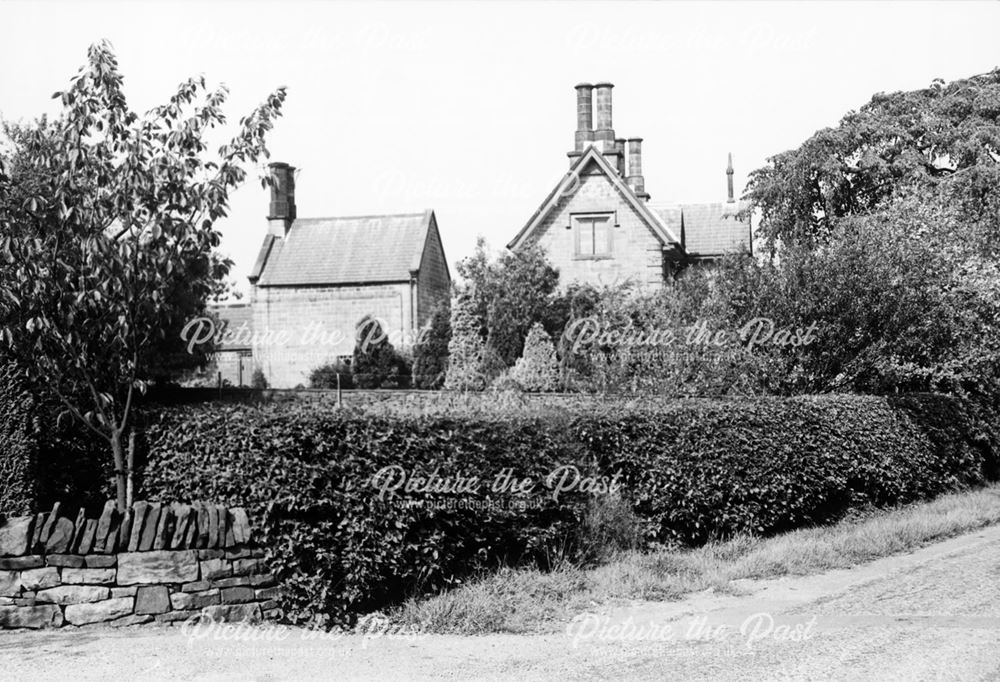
930 615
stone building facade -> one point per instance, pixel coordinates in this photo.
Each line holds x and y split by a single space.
598 226
232 359
315 279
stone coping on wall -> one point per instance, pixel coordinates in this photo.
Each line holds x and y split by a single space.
162 563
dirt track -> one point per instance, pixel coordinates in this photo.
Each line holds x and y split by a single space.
933 614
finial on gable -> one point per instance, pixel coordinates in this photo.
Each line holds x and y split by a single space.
729 179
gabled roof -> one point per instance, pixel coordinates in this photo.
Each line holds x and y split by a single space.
565 188
709 229
346 250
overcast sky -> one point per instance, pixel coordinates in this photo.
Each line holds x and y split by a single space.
469 109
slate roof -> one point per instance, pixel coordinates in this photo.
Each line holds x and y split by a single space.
346 250
708 229
232 317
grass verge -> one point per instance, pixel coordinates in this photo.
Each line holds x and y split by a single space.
528 600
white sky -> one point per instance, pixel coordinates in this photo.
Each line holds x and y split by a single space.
469 109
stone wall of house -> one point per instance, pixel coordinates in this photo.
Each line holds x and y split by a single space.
433 282
154 563
297 329
636 254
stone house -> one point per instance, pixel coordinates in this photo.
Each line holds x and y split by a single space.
232 359
598 226
315 279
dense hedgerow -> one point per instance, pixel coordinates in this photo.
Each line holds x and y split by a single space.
18 445
691 470
338 547
44 459
707 468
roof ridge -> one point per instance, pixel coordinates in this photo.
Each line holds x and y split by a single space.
370 215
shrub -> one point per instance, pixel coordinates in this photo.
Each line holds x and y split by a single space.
466 350
537 369
507 295
376 363
689 471
258 380
430 356
609 527
506 382
325 376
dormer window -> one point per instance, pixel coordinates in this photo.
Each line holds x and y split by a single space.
592 235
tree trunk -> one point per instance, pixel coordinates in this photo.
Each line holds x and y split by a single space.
119 457
130 470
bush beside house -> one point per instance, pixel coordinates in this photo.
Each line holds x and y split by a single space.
466 350
326 376
376 364
537 369
430 356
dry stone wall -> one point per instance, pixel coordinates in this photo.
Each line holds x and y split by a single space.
155 562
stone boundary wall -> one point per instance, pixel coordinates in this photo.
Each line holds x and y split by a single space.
155 562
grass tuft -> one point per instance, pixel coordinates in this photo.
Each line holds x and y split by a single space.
529 600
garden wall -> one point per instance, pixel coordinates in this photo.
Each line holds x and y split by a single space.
156 562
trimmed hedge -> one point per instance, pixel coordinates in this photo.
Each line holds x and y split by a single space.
712 468
43 461
692 470
337 546
18 445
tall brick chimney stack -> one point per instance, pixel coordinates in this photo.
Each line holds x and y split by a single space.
584 115
635 180
281 212
729 179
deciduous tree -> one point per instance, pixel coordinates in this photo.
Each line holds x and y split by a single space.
944 138
108 238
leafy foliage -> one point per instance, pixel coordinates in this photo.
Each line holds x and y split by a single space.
944 138
538 368
340 549
689 471
700 469
109 240
325 376
258 380
466 350
507 296
904 299
625 340
376 363
18 445
430 356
